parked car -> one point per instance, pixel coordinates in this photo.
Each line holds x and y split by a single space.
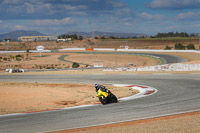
18 70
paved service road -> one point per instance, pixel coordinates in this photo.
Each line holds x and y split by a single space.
176 94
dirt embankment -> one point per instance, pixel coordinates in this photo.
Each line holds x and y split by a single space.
30 97
147 44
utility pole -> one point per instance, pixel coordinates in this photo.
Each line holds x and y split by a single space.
199 43
93 34
115 58
7 42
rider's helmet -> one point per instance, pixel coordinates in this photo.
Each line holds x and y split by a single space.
97 87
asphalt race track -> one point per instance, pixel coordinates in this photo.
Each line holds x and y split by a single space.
168 58
176 94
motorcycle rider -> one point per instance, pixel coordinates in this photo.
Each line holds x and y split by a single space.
102 93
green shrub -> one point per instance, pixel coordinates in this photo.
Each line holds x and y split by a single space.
75 65
168 48
5 59
19 57
179 46
190 46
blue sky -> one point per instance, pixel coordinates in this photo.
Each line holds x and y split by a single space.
54 17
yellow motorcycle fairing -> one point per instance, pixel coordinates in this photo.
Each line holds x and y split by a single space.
102 94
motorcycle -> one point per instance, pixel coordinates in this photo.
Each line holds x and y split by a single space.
111 98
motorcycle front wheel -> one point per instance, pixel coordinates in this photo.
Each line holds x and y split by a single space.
103 101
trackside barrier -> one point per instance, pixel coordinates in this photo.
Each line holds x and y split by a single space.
90 49
32 51
105 49
44 51
12 52
109 49
133 50
154 50
71 49
166 67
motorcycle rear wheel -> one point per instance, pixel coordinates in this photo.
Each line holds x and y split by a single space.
113 98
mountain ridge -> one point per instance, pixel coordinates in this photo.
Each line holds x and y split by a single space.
18 33
106 34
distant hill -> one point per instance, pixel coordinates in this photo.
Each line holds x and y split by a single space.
18 33
106 34
15 34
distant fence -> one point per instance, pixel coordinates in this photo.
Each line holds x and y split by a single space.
131 50
107 49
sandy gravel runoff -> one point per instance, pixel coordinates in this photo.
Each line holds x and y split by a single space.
31 97
181 123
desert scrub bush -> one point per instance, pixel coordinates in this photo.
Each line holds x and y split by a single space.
75 65
1 58
190 46
5 59
168 48
179 46
19 57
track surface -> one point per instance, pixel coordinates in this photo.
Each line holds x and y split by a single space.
168 58
176 93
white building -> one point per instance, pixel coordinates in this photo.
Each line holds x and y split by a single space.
37 38
64 40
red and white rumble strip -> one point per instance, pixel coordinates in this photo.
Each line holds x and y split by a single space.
143 91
